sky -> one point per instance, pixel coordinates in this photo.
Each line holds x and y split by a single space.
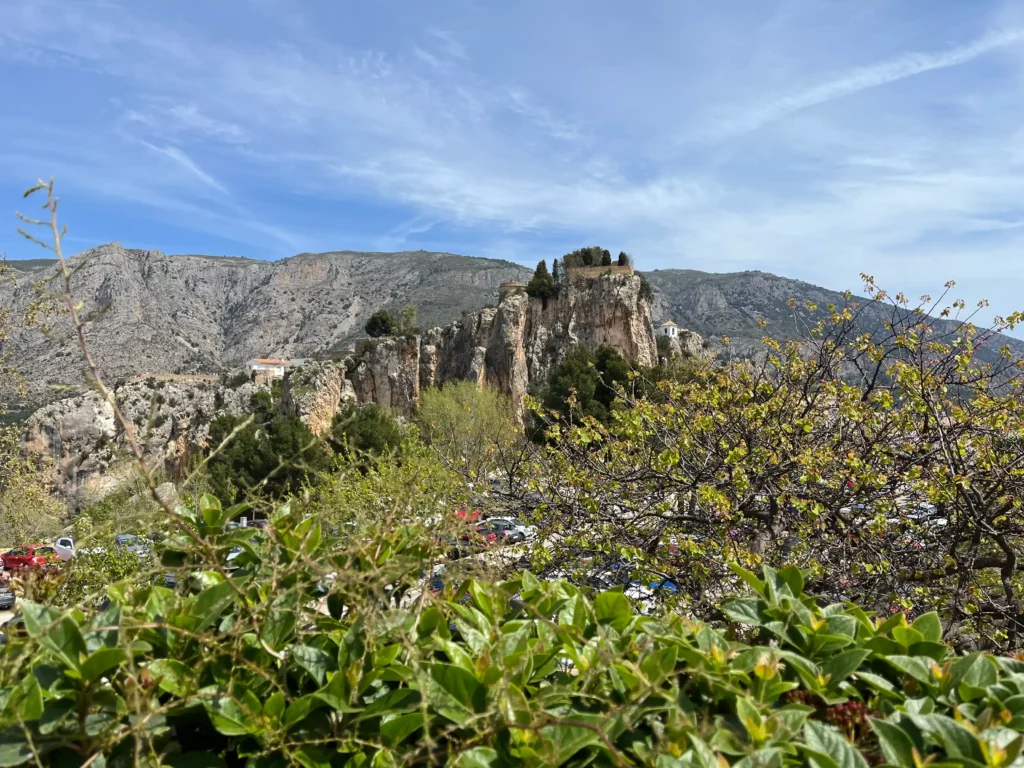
817 139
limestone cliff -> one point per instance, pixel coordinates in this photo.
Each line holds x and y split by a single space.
387 372
506 347
316 392
509 346
169 416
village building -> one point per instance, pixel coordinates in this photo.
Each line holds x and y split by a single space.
668 328
272 368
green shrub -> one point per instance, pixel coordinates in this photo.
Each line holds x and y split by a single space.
366 429
584 383
522 672
382 323
469 427
274 455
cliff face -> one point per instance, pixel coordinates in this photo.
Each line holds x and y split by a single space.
512 345
170 419
149 313
316 392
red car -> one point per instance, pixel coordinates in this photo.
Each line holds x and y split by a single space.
28 556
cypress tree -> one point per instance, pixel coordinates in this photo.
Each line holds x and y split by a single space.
541 286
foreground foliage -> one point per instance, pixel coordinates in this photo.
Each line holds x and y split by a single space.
888 464
242 668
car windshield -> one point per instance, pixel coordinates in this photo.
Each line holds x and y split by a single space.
126 538
45 550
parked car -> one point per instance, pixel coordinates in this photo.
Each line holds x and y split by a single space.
6 597
65 548
512 531
28 556
132 543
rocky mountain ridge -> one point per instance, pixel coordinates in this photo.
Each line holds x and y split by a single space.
506 347
151 313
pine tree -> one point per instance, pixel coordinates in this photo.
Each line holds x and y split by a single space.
557 274
541 286
606 259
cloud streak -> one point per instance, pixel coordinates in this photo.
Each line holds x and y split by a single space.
864 78
189 165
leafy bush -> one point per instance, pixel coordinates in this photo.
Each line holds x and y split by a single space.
664 346
584 383
366 429
382 323
274 454
522 672
646 289
592 256
470 427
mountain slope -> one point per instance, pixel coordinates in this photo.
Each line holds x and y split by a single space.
731 304
151 313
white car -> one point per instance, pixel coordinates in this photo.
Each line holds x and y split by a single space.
65 548
512 530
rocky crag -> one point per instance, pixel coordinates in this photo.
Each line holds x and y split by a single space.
170 418
506 347
509 346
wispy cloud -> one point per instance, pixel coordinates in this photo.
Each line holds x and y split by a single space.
449 42
189 165
864 78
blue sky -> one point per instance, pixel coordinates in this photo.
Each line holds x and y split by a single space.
812 138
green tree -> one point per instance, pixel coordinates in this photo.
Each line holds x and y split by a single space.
584 383
382 323
408 324
557 274
606 258
541 286
29 512
585 257
898 486
366 429
471 428
273 455
664 346
625 260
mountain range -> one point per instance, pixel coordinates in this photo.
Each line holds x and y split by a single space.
148 312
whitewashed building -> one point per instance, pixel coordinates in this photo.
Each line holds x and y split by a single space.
668 328
273 367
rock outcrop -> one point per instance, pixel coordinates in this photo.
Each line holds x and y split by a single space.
509 346
316 392
151 313
169 418
387 372
506 347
